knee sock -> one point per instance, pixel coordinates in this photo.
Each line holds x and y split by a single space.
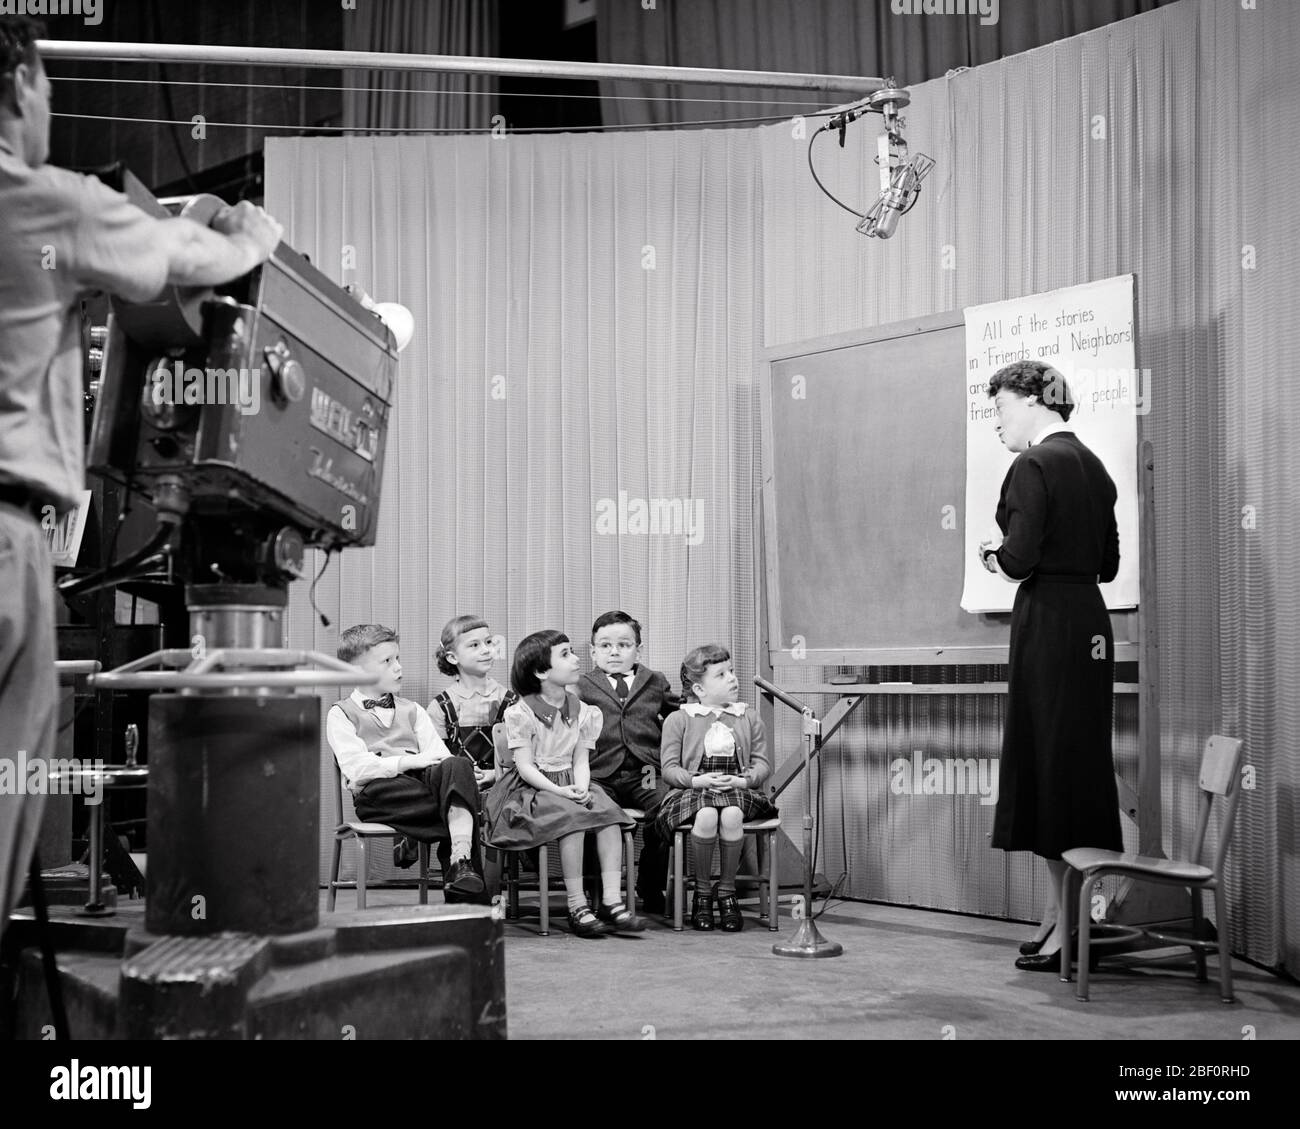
609 884
703 853
461 825
576 894
729 858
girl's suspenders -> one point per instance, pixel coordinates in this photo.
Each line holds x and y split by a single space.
456 738
451 723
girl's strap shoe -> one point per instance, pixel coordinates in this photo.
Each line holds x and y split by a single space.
622 919
584 923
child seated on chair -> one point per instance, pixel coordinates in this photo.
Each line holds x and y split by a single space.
634 701
398 769
547 794
463 714
713 758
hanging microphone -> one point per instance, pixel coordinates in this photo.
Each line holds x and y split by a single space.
882 220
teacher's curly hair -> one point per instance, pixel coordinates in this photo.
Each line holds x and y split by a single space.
1034 378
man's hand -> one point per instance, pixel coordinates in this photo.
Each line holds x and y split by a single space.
250 223
423 760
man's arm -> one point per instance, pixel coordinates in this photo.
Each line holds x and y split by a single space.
206 256
125 252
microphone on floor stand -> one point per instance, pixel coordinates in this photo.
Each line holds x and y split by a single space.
807 940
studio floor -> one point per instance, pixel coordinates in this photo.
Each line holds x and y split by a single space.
904 974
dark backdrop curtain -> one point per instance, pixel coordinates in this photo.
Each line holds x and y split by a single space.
854 37
385 100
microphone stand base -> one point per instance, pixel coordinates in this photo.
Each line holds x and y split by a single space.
807 942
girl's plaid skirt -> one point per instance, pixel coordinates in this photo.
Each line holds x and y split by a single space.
681 804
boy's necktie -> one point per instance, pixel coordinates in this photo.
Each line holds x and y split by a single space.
385 703
621 688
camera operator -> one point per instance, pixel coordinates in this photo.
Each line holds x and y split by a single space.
61 235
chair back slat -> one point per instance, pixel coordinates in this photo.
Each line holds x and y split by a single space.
502 757
1219 764
339 817
1220 773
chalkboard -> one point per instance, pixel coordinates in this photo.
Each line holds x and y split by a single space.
864 462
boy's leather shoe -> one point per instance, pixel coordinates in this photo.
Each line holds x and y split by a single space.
462 879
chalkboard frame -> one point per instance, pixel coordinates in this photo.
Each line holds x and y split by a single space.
780 652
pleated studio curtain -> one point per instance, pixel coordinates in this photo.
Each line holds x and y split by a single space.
1169 146
879 38
412 100
575 425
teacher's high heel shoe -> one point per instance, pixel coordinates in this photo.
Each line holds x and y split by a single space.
1029 948
1037 962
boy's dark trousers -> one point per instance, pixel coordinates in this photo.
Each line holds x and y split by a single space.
415 804
629 788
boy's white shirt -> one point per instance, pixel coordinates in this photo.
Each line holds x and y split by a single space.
358 764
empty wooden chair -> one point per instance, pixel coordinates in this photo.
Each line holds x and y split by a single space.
1220 775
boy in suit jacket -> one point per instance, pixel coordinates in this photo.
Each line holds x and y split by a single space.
633 700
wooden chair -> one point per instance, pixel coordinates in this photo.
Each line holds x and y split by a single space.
768 887
1220 775
363 833
504 760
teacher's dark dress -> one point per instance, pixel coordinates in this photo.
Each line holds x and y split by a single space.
1056 782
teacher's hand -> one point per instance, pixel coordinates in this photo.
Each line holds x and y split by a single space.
986 549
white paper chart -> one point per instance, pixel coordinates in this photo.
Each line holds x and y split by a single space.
1086 333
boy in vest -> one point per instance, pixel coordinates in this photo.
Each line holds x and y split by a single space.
398 769
634 701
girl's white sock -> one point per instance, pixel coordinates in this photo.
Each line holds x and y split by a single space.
609 884
577 896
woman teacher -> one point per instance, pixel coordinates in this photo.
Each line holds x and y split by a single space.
1056 783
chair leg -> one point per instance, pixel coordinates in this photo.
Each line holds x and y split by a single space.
512 889
492 871
363 870
424 874
544 888
773 886
629 847
334 873
1198 931
1064 910
1085 935
679 880
1225 956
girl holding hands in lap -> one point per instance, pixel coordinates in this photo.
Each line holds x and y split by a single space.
547 794
713 758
